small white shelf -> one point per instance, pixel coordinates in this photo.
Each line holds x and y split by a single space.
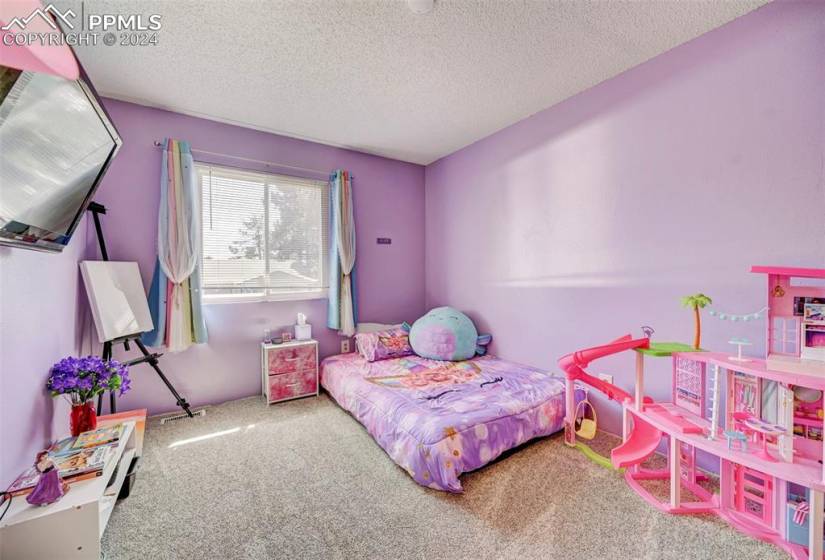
107 502
75 524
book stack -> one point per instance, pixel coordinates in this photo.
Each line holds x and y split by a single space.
75 458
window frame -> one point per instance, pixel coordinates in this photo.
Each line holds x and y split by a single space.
296 294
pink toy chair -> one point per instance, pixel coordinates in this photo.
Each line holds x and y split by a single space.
739 422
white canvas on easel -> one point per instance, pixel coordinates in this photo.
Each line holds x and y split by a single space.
117 299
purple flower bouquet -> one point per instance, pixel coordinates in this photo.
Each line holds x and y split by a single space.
81 380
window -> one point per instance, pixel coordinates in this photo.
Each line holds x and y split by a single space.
264 235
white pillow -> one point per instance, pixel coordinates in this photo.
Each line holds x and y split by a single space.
374 327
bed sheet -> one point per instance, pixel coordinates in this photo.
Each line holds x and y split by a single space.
440 419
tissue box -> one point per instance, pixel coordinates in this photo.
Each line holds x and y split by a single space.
303 332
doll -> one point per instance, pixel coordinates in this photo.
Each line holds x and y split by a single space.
49 487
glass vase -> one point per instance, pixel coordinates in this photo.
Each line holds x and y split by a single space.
83 418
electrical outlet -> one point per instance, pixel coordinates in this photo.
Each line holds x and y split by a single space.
345 346
606 377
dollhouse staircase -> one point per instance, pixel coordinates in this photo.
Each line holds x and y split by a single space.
713 401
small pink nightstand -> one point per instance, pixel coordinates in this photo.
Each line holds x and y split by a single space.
289 370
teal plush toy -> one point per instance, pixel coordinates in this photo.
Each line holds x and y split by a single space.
445 333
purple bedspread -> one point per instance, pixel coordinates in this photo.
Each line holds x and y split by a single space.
440 419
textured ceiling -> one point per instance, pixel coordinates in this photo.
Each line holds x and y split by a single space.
373 76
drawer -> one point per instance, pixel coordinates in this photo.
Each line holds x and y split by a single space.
309 381
289 360
291 385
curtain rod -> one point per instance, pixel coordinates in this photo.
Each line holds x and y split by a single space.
267 163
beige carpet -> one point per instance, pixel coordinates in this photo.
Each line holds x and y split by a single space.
304 480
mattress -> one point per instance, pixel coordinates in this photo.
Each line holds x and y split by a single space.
437 419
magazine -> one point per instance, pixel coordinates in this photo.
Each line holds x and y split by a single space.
76 459
82 461
81 465
101 436
25 482
62 447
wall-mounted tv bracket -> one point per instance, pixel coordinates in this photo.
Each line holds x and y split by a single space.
150 358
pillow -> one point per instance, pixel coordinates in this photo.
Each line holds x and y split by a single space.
445 333
383 345
375 327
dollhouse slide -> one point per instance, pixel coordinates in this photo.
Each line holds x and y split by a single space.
640 444
573 364
644 439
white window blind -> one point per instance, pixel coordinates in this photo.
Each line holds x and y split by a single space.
264 235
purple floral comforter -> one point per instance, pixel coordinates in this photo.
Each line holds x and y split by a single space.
440 419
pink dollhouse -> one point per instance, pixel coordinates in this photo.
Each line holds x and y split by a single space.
765 428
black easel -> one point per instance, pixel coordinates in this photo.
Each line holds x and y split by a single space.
150 358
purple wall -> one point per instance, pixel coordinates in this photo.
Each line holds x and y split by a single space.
389 202
41 309
593 217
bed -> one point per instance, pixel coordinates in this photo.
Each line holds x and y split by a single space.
438 419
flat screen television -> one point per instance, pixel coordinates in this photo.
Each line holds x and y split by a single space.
56 142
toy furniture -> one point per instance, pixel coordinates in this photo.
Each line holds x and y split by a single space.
585 427
765 430
289 370
737 436
739 343
773 491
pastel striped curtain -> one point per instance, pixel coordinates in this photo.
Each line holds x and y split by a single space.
342 312
175 295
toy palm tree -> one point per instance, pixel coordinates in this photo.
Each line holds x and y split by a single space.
697 302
